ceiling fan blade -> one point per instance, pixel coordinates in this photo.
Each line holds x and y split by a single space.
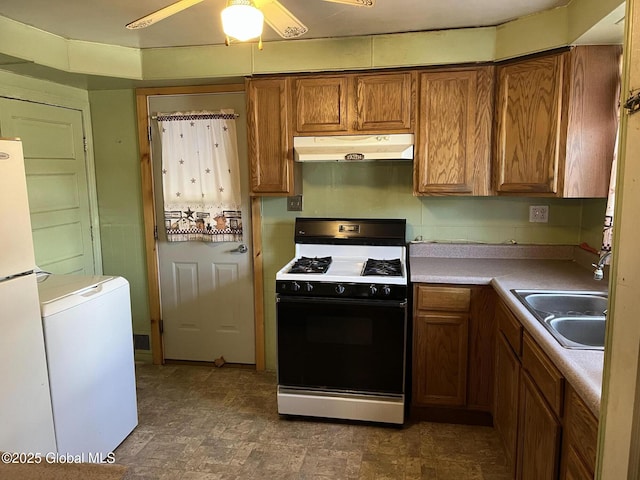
357 3
162 14
280 19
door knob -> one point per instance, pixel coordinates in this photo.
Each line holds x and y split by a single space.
242 248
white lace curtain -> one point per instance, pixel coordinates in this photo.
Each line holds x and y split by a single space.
200 176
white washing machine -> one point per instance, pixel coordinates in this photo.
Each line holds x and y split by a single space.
89 348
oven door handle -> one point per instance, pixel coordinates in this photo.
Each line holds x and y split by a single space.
341 301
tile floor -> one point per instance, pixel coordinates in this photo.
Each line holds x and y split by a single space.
207 423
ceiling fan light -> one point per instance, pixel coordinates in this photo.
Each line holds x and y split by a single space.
241 20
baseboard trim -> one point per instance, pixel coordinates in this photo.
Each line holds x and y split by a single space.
451 415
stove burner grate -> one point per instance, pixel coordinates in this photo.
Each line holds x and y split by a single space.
383 267
311 265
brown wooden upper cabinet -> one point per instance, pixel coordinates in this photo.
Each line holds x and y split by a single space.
269 137
384 102
320 104
353 103
453 138
556 123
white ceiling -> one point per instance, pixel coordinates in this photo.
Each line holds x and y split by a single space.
103 21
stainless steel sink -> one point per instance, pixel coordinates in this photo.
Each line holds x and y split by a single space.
560 304
576 319
578 332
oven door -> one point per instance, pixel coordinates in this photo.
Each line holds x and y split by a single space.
343 345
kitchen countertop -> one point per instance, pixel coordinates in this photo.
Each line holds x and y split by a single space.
507 267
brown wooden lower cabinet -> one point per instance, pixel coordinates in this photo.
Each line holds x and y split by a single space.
441 339
505 415
574 468
580 440
538 435
547 430
460 337
482 346
453 353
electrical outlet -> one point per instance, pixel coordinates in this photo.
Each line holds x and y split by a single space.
539 213
294 203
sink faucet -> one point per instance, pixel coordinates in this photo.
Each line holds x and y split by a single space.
598 273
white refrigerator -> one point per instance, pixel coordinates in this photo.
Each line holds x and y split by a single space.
26 418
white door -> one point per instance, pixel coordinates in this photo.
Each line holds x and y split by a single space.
206 289
57 183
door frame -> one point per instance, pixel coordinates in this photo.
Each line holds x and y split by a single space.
150 224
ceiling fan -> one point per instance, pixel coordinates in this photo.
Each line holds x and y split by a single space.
249 12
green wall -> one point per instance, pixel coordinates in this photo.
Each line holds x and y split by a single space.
384 189
381 189
368 190
49 54
592 221
114 177
113 116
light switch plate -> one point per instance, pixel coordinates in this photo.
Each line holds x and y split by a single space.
539 213
294 203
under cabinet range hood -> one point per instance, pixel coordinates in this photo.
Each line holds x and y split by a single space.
353 148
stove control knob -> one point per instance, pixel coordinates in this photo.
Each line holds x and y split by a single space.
339 289
386 290
373 289
295 286
308 287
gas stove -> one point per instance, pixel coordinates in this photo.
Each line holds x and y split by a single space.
341 321
355 258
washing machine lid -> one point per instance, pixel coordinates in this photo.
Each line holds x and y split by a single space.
52 287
